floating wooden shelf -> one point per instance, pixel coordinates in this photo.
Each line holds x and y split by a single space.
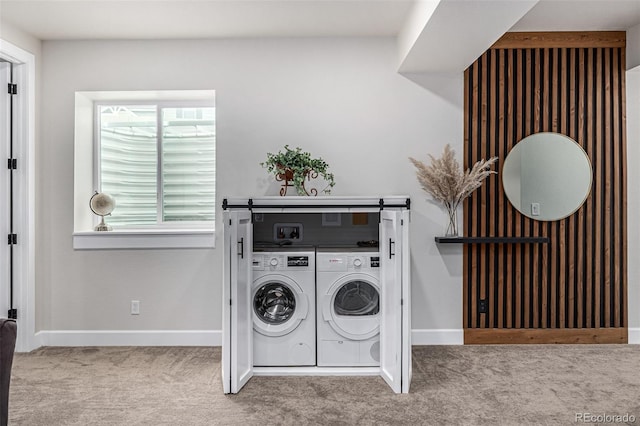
492 240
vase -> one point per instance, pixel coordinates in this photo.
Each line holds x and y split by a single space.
452 226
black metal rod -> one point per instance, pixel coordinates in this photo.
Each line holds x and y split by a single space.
251 205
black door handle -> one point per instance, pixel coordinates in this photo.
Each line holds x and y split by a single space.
391 243
241 243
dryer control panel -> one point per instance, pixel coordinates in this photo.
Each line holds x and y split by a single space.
342 262
363 262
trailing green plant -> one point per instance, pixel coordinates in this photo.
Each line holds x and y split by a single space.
295 165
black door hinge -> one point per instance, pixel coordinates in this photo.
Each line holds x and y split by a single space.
12 239
13 89
12 164
12 314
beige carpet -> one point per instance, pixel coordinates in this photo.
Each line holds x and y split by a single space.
451 385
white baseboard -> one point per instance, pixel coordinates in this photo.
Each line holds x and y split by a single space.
197 337
129 338
437 337
214 337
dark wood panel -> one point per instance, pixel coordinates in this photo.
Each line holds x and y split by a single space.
578 280
560 39
484 336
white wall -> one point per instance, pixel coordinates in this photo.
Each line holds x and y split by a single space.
633 177
633 201
341 99
633 47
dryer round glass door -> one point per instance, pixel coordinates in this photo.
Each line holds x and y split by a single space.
357 298
279 305
352 307
274 303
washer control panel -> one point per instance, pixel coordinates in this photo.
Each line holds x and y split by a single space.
297 261
282 261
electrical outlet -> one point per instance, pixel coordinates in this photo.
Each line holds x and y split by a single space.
535 209
135 307
483 306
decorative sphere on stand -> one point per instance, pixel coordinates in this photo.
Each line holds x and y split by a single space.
102 204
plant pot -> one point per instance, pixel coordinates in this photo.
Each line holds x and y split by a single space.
287 178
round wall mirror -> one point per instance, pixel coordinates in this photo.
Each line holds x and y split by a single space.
547 176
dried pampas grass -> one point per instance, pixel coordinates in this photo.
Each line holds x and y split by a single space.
447 183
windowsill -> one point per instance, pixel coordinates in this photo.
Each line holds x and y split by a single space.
144 239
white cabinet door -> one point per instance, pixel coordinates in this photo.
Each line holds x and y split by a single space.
407 369
226 305
391 298
237 340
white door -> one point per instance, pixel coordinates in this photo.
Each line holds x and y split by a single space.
237 340
391 298
5 72
407 369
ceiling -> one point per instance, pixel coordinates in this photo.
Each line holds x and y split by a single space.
433 35
183 19
581 15
186 19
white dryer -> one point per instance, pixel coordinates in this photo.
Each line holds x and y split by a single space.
283 299
348 299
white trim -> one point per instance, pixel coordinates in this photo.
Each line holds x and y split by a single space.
130 337
214 338
86 164
316 371
24 202
437 337
147 239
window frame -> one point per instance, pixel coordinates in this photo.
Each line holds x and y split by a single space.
84 237
160 104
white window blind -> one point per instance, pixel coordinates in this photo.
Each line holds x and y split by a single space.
158 162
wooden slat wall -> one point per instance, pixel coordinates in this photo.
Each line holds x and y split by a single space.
578 280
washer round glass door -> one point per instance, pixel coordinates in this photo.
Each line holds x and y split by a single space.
279 305
274 303
352 305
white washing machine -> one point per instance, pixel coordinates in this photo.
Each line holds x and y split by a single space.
284 308
348 299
